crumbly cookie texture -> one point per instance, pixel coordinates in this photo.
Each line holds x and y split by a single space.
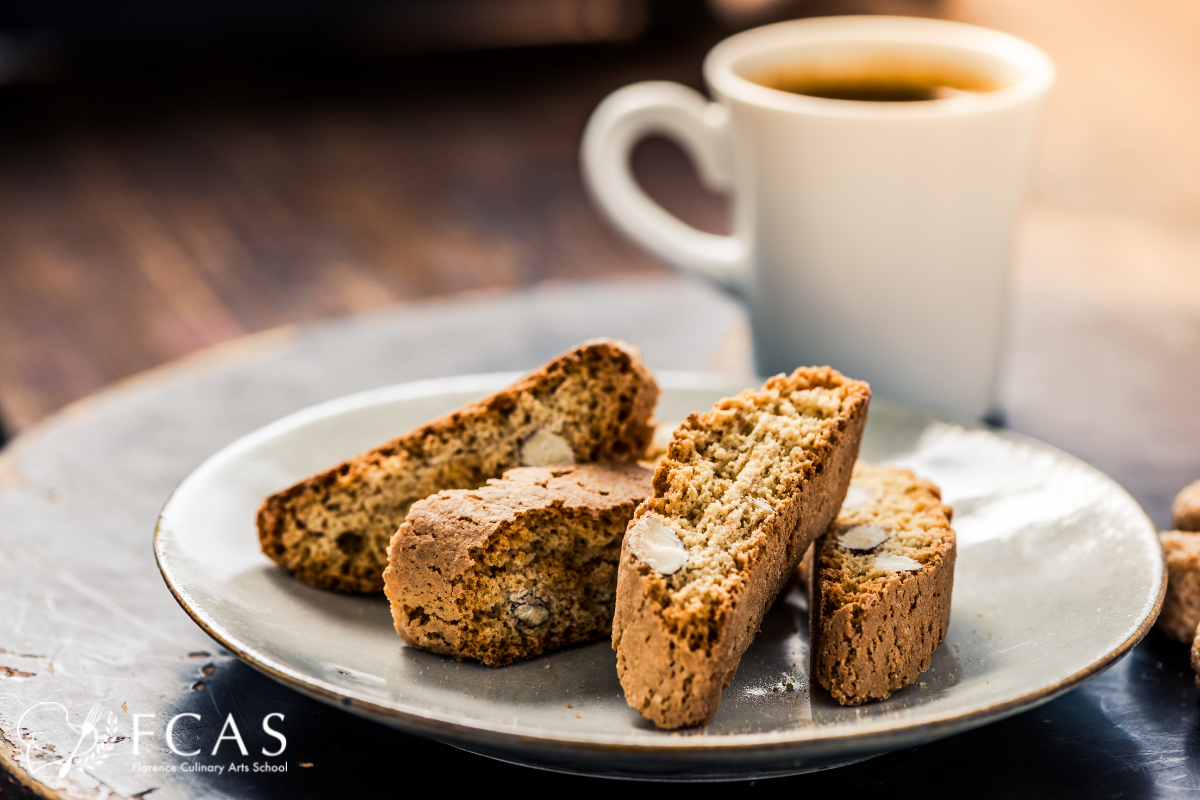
516 568
1196 655
880 586
743 490
1181 607
1185 514
591 404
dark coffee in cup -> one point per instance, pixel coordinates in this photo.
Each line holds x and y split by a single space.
879 79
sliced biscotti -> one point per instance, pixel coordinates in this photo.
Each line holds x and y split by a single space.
1181 606
516 568
1185 513
1196 655
593 403
879 592
742 492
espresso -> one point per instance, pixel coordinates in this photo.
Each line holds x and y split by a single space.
879 80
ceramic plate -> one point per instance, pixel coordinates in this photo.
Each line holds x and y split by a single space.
1059 574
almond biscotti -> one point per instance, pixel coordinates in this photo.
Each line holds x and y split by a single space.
593 403
1185 513
742 492
1180 613
880 585
516 568
1196 656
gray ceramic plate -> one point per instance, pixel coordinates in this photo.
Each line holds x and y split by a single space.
1059 574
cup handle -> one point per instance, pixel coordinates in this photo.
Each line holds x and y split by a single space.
702 129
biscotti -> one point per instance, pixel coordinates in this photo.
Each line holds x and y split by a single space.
879 584
593 403
1196 656
1185 514
742 492
1181 606
516 568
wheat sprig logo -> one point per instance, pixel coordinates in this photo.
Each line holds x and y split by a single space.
95 740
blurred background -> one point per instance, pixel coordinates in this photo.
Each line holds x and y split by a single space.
177 175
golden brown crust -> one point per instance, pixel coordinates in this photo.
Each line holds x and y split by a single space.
332 530
1181 606
465 560
679 638
872 631
1185 514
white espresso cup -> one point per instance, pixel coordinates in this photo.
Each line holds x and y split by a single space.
871 236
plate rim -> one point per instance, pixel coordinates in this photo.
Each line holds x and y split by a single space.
877 735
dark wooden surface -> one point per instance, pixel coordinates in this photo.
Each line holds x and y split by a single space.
159 202
147 214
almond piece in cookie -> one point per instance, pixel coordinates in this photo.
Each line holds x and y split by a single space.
879 592
743 490
593 403
516 568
